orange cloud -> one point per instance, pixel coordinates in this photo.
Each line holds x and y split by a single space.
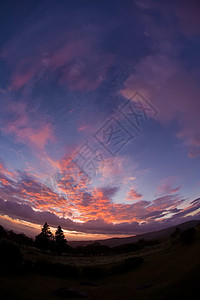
74 199
134 195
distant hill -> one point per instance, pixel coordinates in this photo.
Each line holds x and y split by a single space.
113 242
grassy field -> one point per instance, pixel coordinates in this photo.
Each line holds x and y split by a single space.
169 271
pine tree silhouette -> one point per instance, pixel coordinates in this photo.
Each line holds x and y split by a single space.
60 240
45 238
46 232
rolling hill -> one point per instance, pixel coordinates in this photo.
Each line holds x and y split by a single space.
113 242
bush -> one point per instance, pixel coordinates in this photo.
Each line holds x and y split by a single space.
20 238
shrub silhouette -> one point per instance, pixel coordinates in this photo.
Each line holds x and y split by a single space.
20 238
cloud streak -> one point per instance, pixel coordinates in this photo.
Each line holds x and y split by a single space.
25 198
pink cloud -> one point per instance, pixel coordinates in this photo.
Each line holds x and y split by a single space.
175 94
111 167
193 153
162 78
73 53
79 202
167 186
16 122
134 195
24 71
41 137
83 128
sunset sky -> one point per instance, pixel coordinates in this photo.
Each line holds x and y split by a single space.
100 115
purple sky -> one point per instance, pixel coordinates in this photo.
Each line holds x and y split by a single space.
99 119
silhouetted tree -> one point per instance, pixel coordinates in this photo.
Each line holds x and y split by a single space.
3 233
20 238
44 240
60 240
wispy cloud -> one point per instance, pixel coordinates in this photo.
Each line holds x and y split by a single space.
80 202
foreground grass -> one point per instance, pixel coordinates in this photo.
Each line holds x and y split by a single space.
168 272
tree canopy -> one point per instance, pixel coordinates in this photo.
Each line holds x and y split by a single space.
45 238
